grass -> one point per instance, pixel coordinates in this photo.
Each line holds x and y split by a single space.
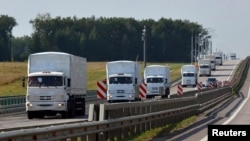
165 130
12 74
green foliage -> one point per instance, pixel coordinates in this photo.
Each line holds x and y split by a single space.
6 25
107 39
165 129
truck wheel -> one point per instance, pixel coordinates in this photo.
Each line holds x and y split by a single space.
80 104
167 92
65 114
72 109
30 115
40 115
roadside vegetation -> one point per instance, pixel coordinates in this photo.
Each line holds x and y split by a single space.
166 130
13 73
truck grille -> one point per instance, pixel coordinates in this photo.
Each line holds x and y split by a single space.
120 91
45 97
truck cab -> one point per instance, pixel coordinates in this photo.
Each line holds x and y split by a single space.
189 75
123 80
157 79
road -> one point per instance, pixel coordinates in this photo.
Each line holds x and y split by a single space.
20 120
233 111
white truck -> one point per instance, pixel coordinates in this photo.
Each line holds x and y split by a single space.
189 76
157 78
213 61
123 78
56 85
232 56
204 67
218 57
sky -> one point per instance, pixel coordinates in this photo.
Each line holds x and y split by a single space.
227 21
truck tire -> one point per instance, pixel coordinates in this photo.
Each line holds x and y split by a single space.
65 114
72 109
30 115
80 106
40 115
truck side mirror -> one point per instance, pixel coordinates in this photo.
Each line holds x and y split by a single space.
166 80
69 82
135 80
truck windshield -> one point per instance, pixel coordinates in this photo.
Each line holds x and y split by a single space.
204 66
120 80
38 81
154 80
188 74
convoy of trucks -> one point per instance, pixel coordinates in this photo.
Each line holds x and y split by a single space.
204 67
57 84
189 75
57 81
123 78
157 79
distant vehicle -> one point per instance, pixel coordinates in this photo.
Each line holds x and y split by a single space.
203 87
211 80
189 75
218 57
157 78
232 56
213 61
204 67
123 79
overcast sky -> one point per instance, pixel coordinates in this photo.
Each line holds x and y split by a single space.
228 21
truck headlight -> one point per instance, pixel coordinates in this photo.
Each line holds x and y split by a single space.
109 96
29 105
60 104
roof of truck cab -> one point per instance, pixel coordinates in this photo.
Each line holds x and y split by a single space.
46 73
50 52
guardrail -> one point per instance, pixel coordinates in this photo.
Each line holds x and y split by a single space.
122 121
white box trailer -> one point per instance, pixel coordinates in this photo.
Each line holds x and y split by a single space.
213 61
123 78
232 56
218 57
157 78
56 85
204 67
189 75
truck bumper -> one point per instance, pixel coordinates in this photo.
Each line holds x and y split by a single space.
46 106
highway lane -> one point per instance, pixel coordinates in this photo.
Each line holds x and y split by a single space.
237 113
217 115
20 121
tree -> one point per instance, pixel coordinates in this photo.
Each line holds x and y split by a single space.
6 25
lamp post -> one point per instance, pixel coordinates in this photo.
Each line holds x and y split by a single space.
144 45
192 49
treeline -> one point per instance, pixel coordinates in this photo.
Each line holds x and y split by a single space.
101 39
